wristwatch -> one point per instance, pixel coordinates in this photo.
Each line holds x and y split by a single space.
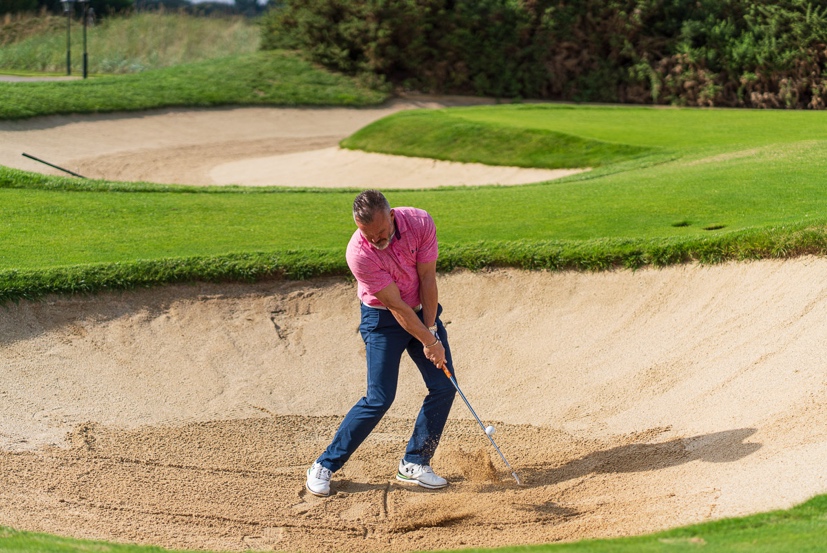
433 330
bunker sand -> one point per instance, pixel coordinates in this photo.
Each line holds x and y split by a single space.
628 402
295 147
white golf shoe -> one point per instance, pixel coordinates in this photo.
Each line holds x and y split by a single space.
318 480
422 475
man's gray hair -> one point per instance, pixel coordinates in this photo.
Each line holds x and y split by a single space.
367 204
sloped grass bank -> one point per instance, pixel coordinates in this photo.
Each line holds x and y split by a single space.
682 130
35 283
263 78
442 135
797 530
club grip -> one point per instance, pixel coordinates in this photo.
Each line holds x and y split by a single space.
446 371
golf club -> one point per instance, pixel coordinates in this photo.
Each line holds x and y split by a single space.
487 435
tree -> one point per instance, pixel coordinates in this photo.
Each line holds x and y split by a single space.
249 8
15 6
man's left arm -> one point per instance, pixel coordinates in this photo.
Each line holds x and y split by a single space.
428 293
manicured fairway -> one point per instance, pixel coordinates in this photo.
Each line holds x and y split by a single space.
706 173
731 169
684 129
40 225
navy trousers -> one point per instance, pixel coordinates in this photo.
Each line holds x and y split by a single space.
385 342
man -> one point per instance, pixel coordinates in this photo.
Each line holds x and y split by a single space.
393 255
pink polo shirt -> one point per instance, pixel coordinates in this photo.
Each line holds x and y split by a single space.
414 242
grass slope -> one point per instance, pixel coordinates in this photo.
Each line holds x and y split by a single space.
263 78
440 135
715 185
797 530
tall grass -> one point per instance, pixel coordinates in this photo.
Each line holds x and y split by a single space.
132 44
15 27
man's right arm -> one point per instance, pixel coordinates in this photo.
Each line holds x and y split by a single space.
407 318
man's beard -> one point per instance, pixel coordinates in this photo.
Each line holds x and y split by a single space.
385 243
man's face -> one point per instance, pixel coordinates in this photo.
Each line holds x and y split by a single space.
379 231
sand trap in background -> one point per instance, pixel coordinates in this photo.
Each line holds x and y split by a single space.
335 167
247 146
629 402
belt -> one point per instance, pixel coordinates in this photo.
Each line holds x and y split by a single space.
417 309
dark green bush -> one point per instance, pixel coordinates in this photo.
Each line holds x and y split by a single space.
16 6
752 53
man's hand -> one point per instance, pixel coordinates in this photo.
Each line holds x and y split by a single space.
436 354
408 319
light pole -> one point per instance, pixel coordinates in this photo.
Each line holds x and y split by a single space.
67 9
85 4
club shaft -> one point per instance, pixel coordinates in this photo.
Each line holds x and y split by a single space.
468 404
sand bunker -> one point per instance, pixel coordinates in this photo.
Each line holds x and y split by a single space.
185 416
247 146
628 401
335 167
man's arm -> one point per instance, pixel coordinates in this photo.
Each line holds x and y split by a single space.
407 318
428 293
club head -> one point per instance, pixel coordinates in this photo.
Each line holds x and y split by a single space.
517 478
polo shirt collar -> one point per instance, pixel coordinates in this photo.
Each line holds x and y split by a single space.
400 223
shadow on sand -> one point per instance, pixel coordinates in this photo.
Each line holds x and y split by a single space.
718 447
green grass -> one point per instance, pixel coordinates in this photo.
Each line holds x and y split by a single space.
671 186
801 529
707 185
264 78
442 135
687 131
674 128
132 44
31 542
730 169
